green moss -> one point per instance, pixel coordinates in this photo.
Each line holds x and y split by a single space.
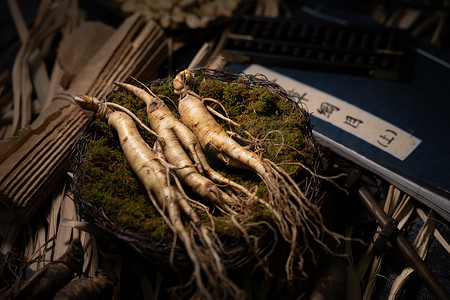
281 133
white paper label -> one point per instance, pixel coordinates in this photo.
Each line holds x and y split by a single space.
346 116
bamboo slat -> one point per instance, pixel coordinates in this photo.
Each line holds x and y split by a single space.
32 163
30 173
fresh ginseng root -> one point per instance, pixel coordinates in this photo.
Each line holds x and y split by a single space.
297 218
172 136
209 273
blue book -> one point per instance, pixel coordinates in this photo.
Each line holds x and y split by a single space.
396 129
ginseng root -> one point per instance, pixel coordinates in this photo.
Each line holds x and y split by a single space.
296 217
52 277
174 138
98 287
166 196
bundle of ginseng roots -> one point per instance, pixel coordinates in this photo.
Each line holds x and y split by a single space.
204 172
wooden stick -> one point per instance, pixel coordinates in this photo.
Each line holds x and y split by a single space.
408 253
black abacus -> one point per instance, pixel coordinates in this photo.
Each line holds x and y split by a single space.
371 51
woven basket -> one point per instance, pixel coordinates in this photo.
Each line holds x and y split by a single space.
159 252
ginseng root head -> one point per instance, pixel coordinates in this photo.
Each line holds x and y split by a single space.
87 102
182 81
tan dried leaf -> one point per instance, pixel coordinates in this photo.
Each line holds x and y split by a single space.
421 243
77 48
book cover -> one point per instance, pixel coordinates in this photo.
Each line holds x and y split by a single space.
397 129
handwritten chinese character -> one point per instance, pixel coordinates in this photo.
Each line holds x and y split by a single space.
297 96
387 138
327 109
354 122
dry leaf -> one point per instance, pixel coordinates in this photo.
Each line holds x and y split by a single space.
353 281
52 20
436 233
65 234
78 47
52 218
421 245
404 211
94 264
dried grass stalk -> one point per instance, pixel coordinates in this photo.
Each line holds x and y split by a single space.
421 243
402 211
436 233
